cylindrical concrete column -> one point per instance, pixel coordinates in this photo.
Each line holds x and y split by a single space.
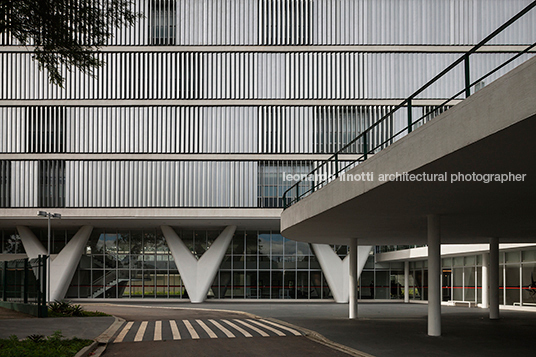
406 281
485 280
352 287
494 278
434 276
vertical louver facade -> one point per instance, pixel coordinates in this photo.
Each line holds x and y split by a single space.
211 105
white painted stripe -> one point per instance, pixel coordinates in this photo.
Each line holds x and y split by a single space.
222 329
207 329
283 327
141 331
175 330
191 330
123 333
269 328
238 328
158 331
259 331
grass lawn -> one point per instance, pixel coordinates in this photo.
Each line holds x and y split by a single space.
40 346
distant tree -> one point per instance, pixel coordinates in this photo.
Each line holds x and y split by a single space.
64 32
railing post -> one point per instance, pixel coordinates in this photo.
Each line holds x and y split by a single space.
467 77
4 278
38 281
336 165
44 310
410 116
25 297
44 279
365 146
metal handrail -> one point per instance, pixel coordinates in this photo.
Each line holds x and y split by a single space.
408 104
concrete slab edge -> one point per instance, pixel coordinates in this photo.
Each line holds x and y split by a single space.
316 337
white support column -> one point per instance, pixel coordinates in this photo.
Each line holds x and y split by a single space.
434 276
406 281
485 280
336 271
32 245
198 275
494 279
63 267
352 279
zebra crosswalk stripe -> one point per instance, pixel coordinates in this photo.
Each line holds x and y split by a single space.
277 332
191 330
222 329
124 332
141 331
158 331
259 331
238 328
211 333
198 329
296 333
174 330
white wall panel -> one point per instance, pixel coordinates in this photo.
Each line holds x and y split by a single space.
309 75
321 22
161 184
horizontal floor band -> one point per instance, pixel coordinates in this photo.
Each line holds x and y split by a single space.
215 102
300 48
175 157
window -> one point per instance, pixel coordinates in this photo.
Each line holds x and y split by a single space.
46 129
337 126
5 183
52 183
273 180
163 22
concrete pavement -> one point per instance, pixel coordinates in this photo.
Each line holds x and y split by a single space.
82 327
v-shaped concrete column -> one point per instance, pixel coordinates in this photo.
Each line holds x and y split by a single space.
62 268
337 271
198 274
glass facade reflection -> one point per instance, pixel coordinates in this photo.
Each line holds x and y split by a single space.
138 263
264 265
462 278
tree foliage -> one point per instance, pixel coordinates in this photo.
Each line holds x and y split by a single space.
65 32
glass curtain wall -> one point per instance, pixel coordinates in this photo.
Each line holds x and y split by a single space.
138 264
462 278
265 265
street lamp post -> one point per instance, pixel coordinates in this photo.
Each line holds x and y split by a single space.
49 215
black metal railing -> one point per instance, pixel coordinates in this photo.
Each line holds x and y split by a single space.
340 162
23 281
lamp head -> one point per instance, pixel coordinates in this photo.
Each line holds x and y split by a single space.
42 214
56 215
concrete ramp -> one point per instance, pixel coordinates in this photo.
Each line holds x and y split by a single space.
491 133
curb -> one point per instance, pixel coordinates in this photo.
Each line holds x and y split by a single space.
250 315
99 344
316 337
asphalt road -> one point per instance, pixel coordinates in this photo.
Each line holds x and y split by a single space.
396 329
202 332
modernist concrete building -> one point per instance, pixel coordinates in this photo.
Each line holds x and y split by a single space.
168 167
